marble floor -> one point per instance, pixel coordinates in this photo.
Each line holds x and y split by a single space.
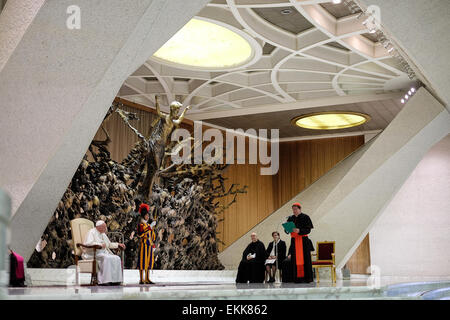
198 290
59 284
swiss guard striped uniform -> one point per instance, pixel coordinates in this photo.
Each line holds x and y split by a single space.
146 244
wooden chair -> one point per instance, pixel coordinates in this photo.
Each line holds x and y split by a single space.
79 228
325 258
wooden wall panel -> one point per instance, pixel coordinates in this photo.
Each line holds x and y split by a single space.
360 260
301 163
251 207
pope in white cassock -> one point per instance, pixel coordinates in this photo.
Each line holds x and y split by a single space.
109 264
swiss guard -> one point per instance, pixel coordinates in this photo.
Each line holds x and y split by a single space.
147 237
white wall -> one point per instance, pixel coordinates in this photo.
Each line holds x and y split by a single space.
412 235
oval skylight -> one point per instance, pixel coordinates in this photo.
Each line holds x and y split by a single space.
330 120
203 44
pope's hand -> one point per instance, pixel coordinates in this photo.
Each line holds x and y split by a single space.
121 245
103 245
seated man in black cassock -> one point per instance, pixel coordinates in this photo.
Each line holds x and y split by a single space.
251 268
297 267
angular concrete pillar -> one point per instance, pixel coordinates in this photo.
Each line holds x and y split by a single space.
56 84
5 211
345 202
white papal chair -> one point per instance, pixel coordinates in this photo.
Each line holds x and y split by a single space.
79 228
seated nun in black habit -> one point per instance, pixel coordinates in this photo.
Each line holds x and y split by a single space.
276 252
251 268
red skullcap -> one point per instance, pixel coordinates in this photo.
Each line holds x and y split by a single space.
144 205
297 204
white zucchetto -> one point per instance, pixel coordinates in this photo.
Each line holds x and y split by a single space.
99 223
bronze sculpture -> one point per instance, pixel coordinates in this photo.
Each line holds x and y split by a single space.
157 142
185 200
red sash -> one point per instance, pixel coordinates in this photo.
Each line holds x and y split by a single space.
299 259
